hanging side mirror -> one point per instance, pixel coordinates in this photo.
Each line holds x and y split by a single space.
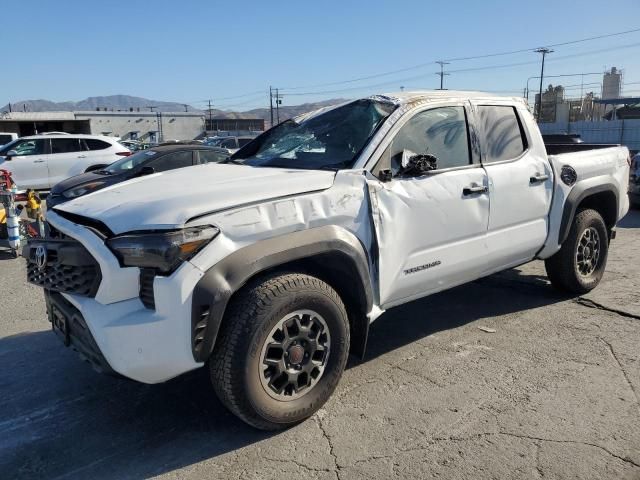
414 165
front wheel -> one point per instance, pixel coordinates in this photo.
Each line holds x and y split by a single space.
579 265
281 350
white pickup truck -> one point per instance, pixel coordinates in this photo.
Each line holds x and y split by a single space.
269 269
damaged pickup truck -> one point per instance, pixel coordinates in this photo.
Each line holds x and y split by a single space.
269 268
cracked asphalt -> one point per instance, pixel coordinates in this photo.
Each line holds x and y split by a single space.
553 393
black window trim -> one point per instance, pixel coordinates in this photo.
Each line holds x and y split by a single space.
77 139
523 133
411 114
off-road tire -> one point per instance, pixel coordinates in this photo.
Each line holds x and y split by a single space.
562 268
253 312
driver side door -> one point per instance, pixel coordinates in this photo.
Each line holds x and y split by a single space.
431 227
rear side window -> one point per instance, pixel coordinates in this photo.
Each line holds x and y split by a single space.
65 145
95 144
229 143
171 161
504 137
243 141
211 156
5 139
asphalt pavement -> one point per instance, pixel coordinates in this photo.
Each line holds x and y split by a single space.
500 378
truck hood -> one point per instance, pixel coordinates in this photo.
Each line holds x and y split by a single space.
170 199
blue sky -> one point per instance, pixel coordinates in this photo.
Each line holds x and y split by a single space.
192 50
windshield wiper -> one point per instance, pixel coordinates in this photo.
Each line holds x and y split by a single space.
334 166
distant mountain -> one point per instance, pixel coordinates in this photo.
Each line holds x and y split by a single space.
111 102
126 102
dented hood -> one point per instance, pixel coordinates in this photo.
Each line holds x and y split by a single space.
170 199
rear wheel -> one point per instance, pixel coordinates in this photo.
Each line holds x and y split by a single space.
281 350
579 265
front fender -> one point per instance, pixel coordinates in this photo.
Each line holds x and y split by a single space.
213 292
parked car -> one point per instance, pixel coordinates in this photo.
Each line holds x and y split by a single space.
634 181
139 164
6 137
231 144
269 268
40 161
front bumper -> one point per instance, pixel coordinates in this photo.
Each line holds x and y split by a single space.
150 346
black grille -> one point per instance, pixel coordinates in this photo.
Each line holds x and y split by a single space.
147 297
68 267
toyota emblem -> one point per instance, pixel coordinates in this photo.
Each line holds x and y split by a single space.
41 257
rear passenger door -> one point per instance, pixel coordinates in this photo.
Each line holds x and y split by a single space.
67 158
520 186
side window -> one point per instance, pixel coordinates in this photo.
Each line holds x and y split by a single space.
503 134
212 156
171 161
65 145
228 143
29 147
243 141
440 131
95 144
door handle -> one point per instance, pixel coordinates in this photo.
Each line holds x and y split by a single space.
474 189
82 156
538 179
38 161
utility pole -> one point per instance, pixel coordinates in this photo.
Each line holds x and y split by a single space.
278 103
151 107
544 52
271 103
442 73
210 114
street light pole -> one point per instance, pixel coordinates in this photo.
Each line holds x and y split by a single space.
544 52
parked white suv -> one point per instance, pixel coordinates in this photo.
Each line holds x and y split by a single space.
41 161
269 268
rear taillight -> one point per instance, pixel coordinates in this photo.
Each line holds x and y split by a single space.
123 154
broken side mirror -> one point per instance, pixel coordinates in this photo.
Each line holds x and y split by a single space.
415 165
385 175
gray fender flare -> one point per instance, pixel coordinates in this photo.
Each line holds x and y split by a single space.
577 194
220 282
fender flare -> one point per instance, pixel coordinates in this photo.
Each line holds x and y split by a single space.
575 197
214 290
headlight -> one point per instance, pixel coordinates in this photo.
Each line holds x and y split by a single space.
162 251
82 189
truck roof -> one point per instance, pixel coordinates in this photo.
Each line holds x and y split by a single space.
412 96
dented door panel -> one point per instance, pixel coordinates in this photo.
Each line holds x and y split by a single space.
430 234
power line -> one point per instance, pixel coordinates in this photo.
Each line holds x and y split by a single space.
460 59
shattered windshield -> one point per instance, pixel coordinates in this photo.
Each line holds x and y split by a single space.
331 139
